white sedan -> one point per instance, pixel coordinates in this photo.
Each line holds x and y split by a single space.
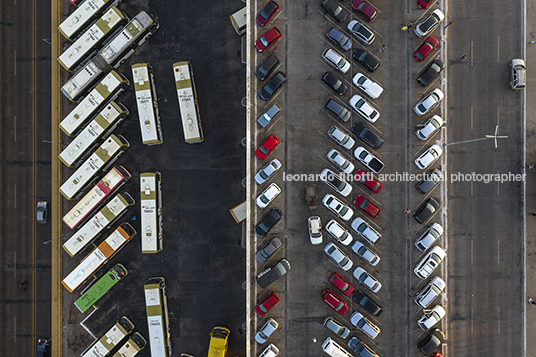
429 102
340 161
365 253
365 230
429 157
338 256
368 280
333 180
339 232
267 171
268 195
429 128
339 208
372 89
363 108
364 325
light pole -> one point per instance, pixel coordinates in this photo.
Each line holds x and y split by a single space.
480 139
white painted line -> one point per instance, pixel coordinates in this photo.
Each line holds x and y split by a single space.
472 314
498 47
15 128
498 320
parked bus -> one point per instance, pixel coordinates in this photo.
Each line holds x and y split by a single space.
134 344
188 105
99 161
147 101
151 212
87 44
112 55
103 219
100 255
157 317
102 347
239 21
101 287
83 16
114 179
104 123
218 341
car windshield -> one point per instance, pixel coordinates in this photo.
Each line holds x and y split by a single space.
263 174
265 13
363 277
343 211
421 107
264 41
337 183
361 80
434 233
264 150
363 155
264 199
344 261
361 323
362 227
362 250
360 103
341 63
364 204
280 268
337 10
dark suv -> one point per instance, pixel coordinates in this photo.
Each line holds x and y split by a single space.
366 59
431 342
367 136
270 275
268 222
368 303
431 72
266 67
426 210
431 180
338 109
334 83
277 81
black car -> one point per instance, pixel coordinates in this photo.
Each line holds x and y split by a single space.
367 136
266 67
277 81
370 305
431 72
270 275
360 348
334 83
431 342
426 210
338 109
268 222
431 180
334 9
366 59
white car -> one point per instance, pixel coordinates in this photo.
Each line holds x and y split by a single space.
429 102
315 230
340 209
430 23
365 253
364 325
429 157
366 279
368 160
430 292
340 161
267 171
363 108
266 331
336 60
362 32
429 128
340 137
333 180
365 230
430 262
268 195
431 317
270 351
339 232
338 256
372 89
429 236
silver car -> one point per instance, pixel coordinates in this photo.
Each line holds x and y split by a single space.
269 115
266 331
268 250
42 212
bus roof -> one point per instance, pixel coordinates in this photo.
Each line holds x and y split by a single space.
187 102
145 103
111 338
149 221
74 87
82 15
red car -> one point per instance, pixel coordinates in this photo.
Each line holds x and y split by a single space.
423 4
367 180
361 202
267 147
436 354
334 301
424 50
267 304
365 9
266 14
341 284
269 38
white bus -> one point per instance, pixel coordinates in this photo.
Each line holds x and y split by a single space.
114 179
83 16
188 105
87 44
100 255
102 347
99 161
134 344
107 90
151 212
147 101
103 219
112 55
105 122
157 317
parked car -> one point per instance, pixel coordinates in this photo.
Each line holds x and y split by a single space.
338 109
518 73
267 304
334 10
333 180
267 117
428 102
334 59
339 39
429 319
315 230
368 303
267 12
334 83
345 287
268 222
269 275
267 171
270 351
340 137
365 230
338 256
268 195
367 279
269 38
429 236
368 181
364 325
426 210
269 250
425 48
365 205
431 72
430 262
335 302
42 212
363 108
360 348
266 330
336 327
340 161
429 128
368 160
429 23
338 232
367 136
339 208
372 89
365 253
266 67
363 33
366 59
428 157
431 342
432 179
270 88
430 292
267 147
423 4
364 9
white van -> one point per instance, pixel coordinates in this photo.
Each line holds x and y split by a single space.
333 349
239 20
